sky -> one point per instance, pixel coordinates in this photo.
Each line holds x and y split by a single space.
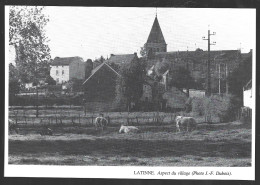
90 32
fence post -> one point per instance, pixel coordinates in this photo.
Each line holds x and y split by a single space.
137 119
60 120
79 119
108 120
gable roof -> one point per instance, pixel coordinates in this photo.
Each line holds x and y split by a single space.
156 35
93 72
166 72
120 59
65 61
248 85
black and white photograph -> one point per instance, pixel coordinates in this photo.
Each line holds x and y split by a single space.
146 92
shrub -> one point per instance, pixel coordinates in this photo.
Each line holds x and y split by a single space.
198 106
221 107
188 105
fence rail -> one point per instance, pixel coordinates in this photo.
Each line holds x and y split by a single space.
89 120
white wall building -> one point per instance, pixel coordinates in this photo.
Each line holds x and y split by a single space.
247 95
64 69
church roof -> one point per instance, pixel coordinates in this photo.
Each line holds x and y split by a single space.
156 35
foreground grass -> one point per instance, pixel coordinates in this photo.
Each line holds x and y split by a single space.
210 145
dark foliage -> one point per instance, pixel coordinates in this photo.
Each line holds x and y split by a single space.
89 67
181 78
240 77
130 85
50 80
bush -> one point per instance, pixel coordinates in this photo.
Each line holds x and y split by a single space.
221 107
188 105
198 106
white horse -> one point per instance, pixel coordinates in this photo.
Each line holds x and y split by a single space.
185 123
100 122
127 129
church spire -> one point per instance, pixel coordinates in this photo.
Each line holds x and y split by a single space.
155 41
156 35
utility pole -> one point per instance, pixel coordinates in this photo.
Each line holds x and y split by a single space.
187 67
219 90
208 90
227 78
187 59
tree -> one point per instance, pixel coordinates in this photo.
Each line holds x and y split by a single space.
14 84
130 85
239 77
181 78
198 49
89 67
50 80
76 84
27 35
143 51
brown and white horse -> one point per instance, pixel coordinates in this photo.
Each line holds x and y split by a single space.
100 122
185 123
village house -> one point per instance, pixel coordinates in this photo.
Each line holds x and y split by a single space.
101 84
247 95
67 68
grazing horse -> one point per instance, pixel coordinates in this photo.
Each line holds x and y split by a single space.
127 129
12 126
101 122
185 123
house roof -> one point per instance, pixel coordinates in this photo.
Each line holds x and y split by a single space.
93 72
120 59
248 85
156 35
197 54
167 71
65 61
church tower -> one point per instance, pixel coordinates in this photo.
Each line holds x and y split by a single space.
155 41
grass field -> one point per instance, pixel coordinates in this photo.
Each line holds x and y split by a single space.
226 144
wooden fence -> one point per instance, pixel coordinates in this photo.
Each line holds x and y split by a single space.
81 120
244 114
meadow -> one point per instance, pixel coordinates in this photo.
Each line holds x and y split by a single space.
157 144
